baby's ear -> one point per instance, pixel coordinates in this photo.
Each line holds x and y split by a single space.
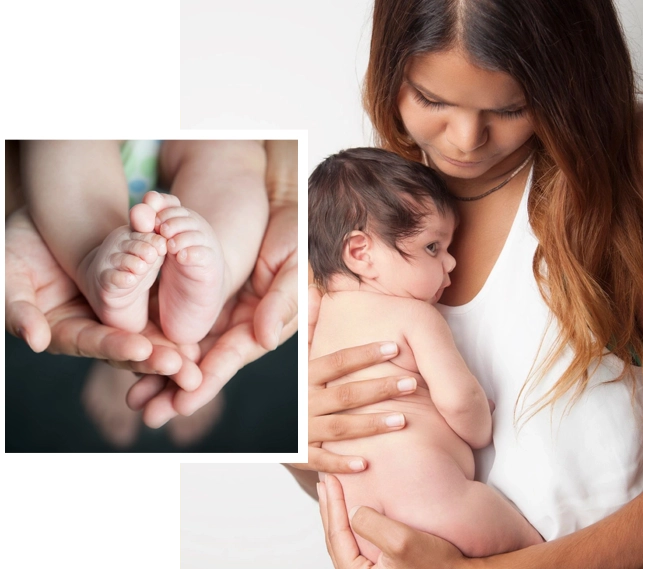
358 254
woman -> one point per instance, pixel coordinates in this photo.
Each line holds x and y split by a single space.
528 110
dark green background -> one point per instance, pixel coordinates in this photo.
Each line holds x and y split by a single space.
44 412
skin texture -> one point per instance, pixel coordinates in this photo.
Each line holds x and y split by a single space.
467 127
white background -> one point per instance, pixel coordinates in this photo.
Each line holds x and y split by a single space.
241 516
80 56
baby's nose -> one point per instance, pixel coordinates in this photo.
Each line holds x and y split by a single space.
450 263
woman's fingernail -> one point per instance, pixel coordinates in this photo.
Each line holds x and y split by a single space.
357 465
395 420
407 384
352 512
389 348
318 489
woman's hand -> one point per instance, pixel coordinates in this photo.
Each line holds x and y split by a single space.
44 307
324 403
401 546
263 315
229 347
615 542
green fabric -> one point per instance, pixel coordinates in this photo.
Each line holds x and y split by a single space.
140 160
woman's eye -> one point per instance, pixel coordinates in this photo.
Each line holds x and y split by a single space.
512 114
432 248
426 102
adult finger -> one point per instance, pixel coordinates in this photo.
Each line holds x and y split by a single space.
232 351
144 390
24 320
341 542
343 427
342 362
159 410
321 460
358 393
278 306
163 360
189 376
402 546
87 338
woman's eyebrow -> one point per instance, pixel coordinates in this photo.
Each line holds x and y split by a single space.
512 107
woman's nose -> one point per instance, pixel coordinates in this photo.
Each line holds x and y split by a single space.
466 132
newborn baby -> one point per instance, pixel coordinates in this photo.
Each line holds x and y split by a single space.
379 231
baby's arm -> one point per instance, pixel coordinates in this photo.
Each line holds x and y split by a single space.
77 194
455 391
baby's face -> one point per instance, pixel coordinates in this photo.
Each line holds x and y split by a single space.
424 274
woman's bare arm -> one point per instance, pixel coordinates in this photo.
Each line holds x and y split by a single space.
615 542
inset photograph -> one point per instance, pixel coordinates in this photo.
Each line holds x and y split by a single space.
142 276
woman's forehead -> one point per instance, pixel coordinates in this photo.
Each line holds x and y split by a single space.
449 77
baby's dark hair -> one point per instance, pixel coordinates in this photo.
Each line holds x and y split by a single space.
371 190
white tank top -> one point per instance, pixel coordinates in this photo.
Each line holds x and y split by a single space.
563 471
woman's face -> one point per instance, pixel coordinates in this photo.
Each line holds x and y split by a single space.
470 122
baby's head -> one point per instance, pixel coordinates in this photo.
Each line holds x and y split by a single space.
381 220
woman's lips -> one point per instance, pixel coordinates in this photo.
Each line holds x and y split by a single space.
460 163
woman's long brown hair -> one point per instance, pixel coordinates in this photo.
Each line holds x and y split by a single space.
586 203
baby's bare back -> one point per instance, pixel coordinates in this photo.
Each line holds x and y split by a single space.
349 319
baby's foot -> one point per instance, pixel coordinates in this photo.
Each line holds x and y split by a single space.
194 278
104 399
117 275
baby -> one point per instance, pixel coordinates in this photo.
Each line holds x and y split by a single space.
379 231
204 237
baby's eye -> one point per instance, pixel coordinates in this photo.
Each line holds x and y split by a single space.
432 248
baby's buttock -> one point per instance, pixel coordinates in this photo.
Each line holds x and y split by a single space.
426 442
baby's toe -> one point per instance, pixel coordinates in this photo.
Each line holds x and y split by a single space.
142 218
198 256
158 201
152 242
111 279
128 262
184 240
142 249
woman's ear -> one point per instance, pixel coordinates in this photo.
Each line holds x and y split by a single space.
358 254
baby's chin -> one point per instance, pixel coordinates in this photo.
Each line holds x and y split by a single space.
436 297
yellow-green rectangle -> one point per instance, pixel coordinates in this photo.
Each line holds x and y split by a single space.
88 515
89 120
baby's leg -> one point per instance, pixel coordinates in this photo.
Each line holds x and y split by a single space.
194 277
435 496
223 181
360 490
78 197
